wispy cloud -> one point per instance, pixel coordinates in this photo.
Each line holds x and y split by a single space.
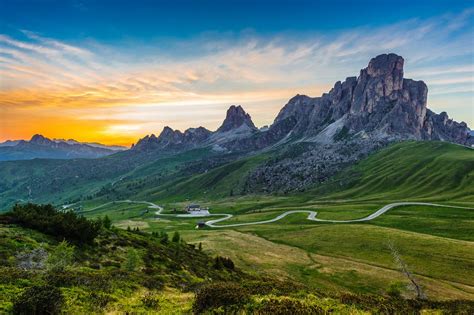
148 84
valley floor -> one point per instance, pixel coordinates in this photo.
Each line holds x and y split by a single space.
435 241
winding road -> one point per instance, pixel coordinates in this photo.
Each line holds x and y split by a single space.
311 214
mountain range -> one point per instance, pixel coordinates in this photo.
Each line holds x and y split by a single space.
311 140
41 147
379 104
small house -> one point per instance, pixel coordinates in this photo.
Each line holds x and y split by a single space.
193 207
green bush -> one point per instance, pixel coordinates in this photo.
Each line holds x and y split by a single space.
150 300
38 300
176 237
100 299
223 262
61 257
398 305
46 219
156 282
91 280
132 260
227 295
286 306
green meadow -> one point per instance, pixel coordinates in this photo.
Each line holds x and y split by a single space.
435 243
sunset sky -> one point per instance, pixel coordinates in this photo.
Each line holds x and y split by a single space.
114 71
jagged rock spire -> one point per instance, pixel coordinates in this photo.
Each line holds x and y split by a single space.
236 117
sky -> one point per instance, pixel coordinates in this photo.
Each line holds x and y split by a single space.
114 71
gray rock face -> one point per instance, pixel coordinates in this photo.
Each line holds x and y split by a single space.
380 103
440 127
173 139
40 140
235 118
237 125
301 167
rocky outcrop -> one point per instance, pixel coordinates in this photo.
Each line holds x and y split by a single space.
235 118
173 140
379 103
440 127
237 125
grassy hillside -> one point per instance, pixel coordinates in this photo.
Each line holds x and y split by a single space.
113 177
125 271
408 170
220 182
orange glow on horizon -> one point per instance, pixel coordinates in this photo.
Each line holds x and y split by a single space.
104 119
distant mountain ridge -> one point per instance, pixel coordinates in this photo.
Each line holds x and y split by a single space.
41 147
379 104
237 125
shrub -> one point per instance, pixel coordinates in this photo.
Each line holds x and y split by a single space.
150 300
100 299
164 238
90 279
61 257
285 305
272 286
46 219
156 282
223 262
12 275
39 300
227 295
131 262
176 237
106 222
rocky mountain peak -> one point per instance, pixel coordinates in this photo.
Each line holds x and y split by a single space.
40 140
386 64
236 117
167 132
380 103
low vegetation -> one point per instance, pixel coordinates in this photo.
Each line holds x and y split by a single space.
46 219
132 271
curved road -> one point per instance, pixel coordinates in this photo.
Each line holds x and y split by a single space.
311 214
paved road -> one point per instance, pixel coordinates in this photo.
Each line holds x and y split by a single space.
311 214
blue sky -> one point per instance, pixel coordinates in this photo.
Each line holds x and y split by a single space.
113 71
112 20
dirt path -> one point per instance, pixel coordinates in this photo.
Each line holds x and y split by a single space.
311 214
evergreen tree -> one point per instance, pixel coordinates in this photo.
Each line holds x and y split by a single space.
164 238
176 237
106 222
132 260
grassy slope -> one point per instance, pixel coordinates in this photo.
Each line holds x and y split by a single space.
98 282
430 171
217 183
436 171
410 170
